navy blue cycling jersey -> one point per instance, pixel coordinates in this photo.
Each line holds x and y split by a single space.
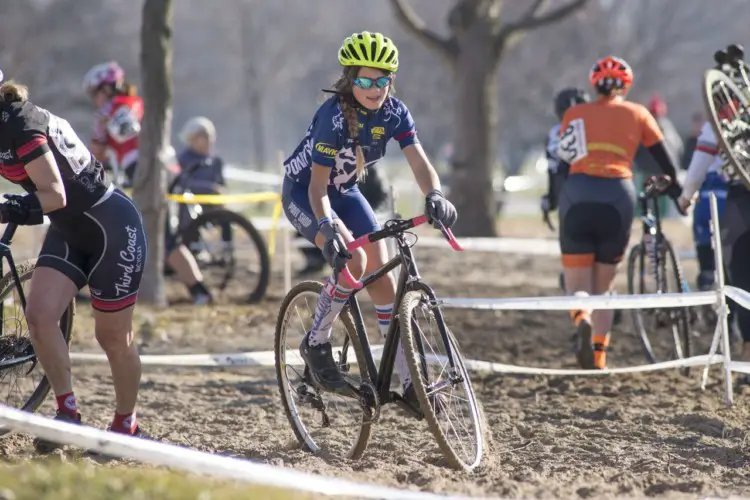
327 141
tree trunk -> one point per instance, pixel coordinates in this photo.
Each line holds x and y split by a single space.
474 154
150 182
258 126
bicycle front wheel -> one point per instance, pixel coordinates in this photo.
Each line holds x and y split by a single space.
728 111
664 333
23 384
443 388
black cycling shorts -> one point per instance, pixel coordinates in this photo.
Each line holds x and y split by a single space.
596 215
104 248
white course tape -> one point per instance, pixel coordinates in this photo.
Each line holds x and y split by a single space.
266 358
565 303
260 358
524 370
738 295
195 461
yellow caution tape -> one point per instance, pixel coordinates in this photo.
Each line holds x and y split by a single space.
222 199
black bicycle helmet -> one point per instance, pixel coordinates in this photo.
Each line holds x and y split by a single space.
569 97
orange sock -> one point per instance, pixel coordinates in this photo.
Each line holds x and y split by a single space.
578 315
601 342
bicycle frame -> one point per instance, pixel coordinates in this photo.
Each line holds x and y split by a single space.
409 279
5 253
651 219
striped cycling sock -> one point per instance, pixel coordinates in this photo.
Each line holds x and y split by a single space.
385 314
330 303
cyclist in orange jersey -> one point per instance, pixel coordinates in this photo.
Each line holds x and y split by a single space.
598 141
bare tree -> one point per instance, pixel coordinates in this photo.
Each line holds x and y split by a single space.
473 51
150 182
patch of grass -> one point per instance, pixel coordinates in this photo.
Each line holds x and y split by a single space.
49 479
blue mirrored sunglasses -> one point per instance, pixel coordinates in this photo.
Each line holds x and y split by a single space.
366 83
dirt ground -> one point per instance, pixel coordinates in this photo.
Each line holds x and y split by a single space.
640 435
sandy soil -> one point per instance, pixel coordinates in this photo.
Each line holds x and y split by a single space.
552 437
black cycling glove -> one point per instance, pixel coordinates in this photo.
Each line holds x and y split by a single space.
438 208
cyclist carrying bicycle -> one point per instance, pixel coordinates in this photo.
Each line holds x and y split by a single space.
95 238
598 141
735 220
116 133
321 199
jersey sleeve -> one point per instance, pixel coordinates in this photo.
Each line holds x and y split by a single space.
707 142
30 138
326 135
650 131
405 132
219 171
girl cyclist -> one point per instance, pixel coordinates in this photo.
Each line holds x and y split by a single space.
95 238
598 141
321 199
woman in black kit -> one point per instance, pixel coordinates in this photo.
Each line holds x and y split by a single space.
95 238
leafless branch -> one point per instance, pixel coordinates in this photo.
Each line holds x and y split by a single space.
447 47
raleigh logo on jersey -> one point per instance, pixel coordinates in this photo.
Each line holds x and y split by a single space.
325 149
377 133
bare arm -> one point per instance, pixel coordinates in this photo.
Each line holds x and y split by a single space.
45 174
424 172
318 191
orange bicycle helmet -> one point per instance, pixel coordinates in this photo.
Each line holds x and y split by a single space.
611 73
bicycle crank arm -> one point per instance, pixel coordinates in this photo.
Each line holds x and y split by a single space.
396 398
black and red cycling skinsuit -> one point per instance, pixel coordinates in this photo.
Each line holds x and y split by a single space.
97 239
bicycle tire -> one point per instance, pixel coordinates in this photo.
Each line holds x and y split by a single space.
25 270
710 78
412 349
222 216
290 407
679 319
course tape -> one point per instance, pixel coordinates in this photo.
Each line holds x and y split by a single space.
266 358
187 459
223 199
566 303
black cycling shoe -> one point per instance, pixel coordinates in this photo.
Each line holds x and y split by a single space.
585 351
323 369
44 446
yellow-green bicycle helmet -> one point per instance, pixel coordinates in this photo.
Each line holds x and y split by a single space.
372 50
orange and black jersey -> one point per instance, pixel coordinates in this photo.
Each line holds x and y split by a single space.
600 138
28 132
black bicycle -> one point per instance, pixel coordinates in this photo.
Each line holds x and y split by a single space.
20 373
339 425
225 244
727 101
653 267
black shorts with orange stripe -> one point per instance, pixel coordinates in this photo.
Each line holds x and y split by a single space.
104 248
596 215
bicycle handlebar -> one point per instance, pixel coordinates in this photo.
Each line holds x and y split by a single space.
392 228
655 185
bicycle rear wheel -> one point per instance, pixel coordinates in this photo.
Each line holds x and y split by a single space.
728 111
23 384
228 248
446 397
664 333
324 423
